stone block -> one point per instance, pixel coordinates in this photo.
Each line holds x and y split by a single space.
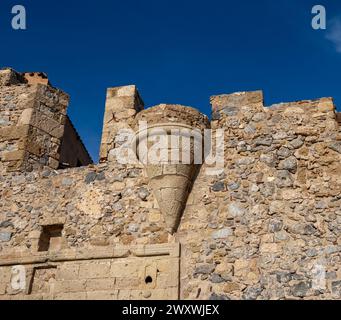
102 295
94 270
70 286
71 296
101 284
68 272
13 132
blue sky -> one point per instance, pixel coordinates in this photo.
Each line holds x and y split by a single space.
174 51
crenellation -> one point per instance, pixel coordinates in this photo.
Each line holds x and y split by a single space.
9 77
264 226
33 119
122 105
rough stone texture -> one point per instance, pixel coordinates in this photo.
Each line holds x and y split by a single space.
287 204
32 121
122 272
72 151
267 227
122 105
171 183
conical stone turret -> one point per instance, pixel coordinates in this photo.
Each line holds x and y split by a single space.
169 142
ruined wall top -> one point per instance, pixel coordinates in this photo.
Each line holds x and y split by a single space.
33 115
173 113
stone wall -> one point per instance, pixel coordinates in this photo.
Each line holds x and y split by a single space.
121 107
122 272
266 227
32 124
73 152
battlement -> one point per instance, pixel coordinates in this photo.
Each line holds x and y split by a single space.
36 77
235 103
33 119
266 225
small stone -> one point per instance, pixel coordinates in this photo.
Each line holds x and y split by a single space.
216 278
309 229
117 207
263 141
245 161
331 275
205 268
280 135
289 164
134 173
143 193
216 297
100 176
231 286
267 189
300 289
320 205
297 143
283 277
336 146
90 177
281 236
230 111
218 186
216 116
269 159
4 121
67 182
46 173
275 225
283 153
332 249
277 206
250 129
233 186
312 252
252 293
284 179
222 234
303 229
6 224
133 228
336 288
5 236
236 210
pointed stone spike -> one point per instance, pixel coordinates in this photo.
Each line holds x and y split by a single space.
172 211
170 182
171 192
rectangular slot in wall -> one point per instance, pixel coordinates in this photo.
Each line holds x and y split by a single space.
50 238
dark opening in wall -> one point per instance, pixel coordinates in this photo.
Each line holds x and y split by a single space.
149 279
50 238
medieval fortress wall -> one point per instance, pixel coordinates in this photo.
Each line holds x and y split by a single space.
266 226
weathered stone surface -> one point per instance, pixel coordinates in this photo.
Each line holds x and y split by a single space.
264 226
204 268
222 234
218 186
32 125
5 236
301 289
143 193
